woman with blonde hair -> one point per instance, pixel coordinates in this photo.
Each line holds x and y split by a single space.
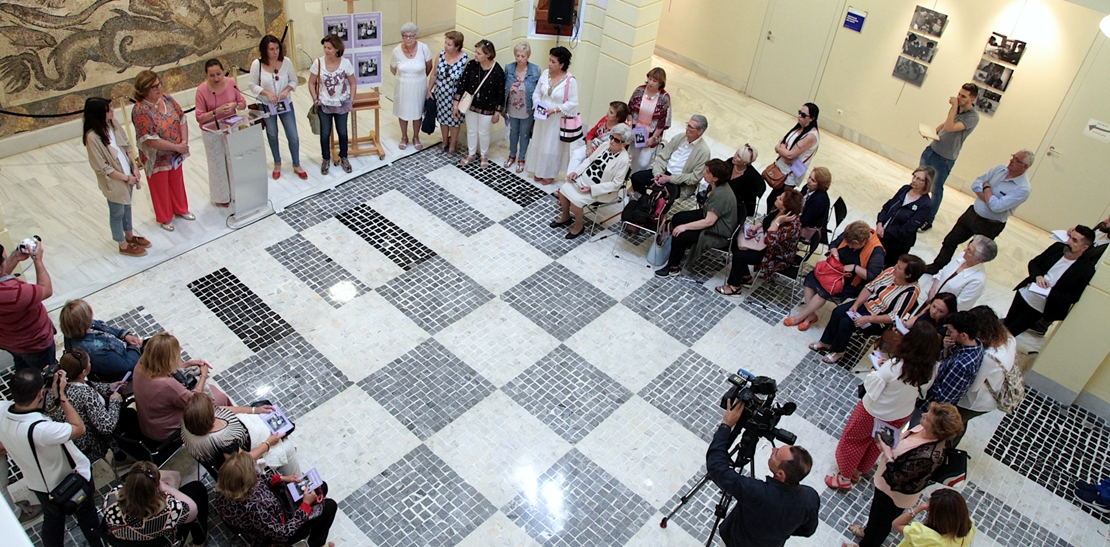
443 83
113 351
860 256
148 507
521 78
246 500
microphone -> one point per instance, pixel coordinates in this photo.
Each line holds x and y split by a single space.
215 105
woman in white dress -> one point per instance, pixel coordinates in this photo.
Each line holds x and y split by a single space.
411 64
557 90
598 178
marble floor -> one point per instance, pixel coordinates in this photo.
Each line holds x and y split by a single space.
461 374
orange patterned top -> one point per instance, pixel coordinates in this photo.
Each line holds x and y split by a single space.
151 124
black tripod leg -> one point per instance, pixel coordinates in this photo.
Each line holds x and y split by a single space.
684 499
721 510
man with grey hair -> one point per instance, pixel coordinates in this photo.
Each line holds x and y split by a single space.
964 277
998 193
680 162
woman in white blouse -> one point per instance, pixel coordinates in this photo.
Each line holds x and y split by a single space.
999 353
891 391
557 92
273 81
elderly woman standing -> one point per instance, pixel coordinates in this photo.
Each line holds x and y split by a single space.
163 138
113 351
484 80
861 258
521 78
411 64
331 82
650 107
557 91
217 98
274 80
116 172
797 148
707 227
598 178
900 217
442 85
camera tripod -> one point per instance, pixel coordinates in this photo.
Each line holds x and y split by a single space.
742 454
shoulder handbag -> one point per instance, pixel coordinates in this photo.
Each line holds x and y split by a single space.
830 275
953 470
314 112
660 251
70 493
570 127
774 176
466 99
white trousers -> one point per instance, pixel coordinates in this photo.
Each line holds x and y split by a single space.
477 132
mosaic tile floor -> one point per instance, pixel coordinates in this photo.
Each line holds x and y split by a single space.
461 374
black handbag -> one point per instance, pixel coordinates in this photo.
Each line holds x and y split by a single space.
70 493
429 124
954 468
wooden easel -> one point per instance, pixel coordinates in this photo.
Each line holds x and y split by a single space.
369 100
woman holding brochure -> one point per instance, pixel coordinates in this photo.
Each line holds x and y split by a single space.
212 434
273 81
555 97
217 98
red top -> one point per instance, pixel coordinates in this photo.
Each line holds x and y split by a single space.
207 101
24 325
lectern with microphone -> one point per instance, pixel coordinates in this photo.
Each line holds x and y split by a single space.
245 160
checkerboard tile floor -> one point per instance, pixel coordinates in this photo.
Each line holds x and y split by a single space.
479 380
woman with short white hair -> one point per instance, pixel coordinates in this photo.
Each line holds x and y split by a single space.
599 178
411 64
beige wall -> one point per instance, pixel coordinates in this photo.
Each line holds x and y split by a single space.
431 16
716 38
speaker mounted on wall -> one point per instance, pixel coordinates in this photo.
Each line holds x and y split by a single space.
560 12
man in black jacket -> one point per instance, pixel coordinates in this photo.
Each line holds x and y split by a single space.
1056 280
767 512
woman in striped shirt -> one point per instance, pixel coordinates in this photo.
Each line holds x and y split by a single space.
893 293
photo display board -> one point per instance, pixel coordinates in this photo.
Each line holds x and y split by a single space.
362 39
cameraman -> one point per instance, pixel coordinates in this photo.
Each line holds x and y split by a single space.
767 512
25 330
53 440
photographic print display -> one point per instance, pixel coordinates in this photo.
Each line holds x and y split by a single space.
368 28
1001 48
928 21
368 67
910 71
339 25
993 75
919 47
987 101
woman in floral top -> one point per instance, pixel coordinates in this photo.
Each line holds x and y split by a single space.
782 231
163 136
650 107
147 507
248 503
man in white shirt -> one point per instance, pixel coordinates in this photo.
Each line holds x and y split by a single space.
1057 278
680 162
47 464
964 277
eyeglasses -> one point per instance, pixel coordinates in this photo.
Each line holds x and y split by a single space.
803 114
159 84
920 179
692 126
408 35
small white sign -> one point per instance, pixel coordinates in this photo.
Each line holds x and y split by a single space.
1100 131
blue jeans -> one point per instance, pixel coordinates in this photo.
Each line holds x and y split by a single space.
289 122
119 217
37 360
943 166
340 123
520 130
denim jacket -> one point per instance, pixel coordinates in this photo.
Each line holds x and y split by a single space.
531 78
110 356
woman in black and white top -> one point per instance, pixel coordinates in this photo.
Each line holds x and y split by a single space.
212 433
147 507
484 79
98 404
598 178
273 80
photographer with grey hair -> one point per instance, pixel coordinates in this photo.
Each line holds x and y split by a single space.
680 162
998 193
965 277
746 182
598 178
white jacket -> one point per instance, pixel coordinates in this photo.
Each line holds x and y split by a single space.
887 397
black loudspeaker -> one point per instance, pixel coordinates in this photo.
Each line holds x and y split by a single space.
560 12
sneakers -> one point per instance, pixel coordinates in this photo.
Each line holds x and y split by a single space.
133 250
666 271
1088 494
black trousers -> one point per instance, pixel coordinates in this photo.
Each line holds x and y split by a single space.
685 240
316 530
54 520
880 520
199 527
642 179
742 263
840 328
969 224
1021 316
891 252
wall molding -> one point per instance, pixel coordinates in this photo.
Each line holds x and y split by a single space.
1051 388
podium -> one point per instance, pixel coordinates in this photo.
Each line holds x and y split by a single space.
244 158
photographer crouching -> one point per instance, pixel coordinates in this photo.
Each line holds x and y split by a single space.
767 512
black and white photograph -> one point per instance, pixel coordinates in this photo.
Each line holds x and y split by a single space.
338 29
928 21
919 47
367 67
368 29
987 102
910 71
276 421
1001 48
993 75
281 107
340 26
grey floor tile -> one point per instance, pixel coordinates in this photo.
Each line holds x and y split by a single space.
689 391
240 309
532 225
381 233
325 276
435 294
558 300
682 309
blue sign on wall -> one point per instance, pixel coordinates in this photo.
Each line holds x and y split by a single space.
854 19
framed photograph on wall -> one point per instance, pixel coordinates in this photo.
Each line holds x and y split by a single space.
987 102
339 25
993 75
1001 48
919 47
928 21
910 71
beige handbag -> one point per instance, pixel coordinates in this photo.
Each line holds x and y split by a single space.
467 98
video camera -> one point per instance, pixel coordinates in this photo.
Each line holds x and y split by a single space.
760 415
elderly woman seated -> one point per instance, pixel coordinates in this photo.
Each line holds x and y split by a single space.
212 434
965 276
148 507
113 351
771 243
707 227
890 295
598 178
858 253
96 403
248 504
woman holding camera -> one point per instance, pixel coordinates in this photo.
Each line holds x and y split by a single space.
147 507
97 404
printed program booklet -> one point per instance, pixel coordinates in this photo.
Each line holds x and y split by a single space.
277 421
889 434
309 481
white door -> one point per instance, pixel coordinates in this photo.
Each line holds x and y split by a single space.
1069 177
792 52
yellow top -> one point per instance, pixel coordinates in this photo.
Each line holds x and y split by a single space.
919 535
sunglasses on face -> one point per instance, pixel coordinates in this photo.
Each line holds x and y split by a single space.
803 114
616 139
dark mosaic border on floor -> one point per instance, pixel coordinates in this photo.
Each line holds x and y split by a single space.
381 233
316 269
240 309
516 189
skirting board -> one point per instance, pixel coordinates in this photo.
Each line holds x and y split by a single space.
1066 396
698 68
